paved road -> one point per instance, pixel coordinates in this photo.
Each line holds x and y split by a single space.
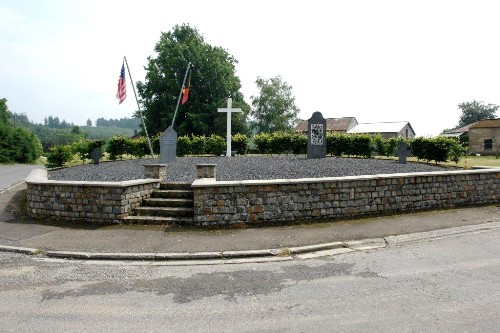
443 285
13 174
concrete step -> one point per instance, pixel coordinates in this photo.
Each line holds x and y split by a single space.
173 194
158 220
161 202
164 211
175 186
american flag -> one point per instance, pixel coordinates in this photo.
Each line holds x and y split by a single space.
121 94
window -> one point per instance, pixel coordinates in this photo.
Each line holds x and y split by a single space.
488 144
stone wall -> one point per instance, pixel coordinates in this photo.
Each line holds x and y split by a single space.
228 202
96 202
477 137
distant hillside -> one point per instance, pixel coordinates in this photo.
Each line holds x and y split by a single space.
59 132
105 132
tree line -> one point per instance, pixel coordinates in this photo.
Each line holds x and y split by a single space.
17 145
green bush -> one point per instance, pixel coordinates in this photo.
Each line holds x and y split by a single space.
198 145
281 143
216 145
456 151
392 146
117 146
263 143
239 143
361 145
183 146
84 148
138 147
440 149
338 144
58 156
155 143
299 143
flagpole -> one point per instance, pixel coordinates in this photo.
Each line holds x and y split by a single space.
139 107
180 94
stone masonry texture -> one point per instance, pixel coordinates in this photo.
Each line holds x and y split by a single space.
220 203
86 201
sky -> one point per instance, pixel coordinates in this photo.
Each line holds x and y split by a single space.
377 61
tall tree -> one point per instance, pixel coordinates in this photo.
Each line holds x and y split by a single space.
475 111
89 122
274 109
16 144
213 80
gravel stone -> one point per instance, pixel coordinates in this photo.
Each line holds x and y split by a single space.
242 168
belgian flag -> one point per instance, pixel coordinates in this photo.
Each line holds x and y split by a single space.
185 90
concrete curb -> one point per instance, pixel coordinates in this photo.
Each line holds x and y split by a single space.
8 188
442 233
301 252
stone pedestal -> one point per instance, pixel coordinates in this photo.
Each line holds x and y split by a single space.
156 171
206 171
168 145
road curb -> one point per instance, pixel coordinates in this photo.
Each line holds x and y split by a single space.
10 187
298 252
441 233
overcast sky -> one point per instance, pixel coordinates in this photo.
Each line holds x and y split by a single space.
373 60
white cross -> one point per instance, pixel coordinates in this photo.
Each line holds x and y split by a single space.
229 110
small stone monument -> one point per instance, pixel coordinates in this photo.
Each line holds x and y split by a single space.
168 145
316 136
96 155
229 110
403 152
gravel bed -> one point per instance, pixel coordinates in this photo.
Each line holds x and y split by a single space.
241 168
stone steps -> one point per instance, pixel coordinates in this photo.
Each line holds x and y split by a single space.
171 204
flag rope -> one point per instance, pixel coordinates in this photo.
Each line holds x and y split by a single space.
180 94
139 107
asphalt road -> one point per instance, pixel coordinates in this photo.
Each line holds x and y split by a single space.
15 173
443 285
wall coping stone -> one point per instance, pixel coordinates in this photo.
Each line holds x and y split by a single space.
212 182
40 177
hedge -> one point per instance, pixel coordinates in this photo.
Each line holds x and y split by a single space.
438 149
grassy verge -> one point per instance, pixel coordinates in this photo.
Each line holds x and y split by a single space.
466 162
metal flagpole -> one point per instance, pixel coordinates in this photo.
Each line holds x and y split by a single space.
180 94
139 107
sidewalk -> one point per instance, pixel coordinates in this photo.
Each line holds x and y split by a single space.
21 232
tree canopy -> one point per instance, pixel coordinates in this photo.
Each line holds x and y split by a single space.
16 144
475 111
274 109
212 81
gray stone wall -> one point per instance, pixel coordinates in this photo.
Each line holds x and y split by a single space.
95 202
477 137
332 198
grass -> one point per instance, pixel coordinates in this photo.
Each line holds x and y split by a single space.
466 162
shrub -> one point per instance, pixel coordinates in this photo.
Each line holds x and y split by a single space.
299 143
155 143
137 147
239 142
216 145
456 151
361 145
198 145
263 143
84 148
391 146
117 146
58 156
183 145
